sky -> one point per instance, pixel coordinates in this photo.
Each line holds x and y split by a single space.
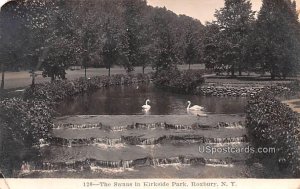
2 2
202 10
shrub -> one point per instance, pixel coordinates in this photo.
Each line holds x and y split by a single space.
22 125
29 120
59 90
273 124
178 81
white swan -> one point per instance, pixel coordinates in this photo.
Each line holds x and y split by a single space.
194 108
146 106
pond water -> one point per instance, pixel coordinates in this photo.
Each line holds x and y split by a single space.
147 150
127 100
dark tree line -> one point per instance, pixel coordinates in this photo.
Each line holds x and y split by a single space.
237 42
53 35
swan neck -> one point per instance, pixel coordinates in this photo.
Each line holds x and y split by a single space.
188 105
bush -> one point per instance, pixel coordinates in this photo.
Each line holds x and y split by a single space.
294 86
273 124
22 125
178 81
23 122
59 90
29 121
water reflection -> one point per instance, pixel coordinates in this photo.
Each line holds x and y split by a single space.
128 100
146 111
199 113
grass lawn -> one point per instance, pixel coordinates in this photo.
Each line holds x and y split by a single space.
22 79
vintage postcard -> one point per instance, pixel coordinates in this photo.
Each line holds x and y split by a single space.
149 94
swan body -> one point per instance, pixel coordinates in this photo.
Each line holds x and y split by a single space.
194 108
146 106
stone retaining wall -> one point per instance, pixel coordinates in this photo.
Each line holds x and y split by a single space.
239 90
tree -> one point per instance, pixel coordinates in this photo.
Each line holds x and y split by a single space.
165 54
47 38
53 35
234 21
110 50
212 52
84 21
278 39
190 39
60 43
147 46
10 37
109 31
133 13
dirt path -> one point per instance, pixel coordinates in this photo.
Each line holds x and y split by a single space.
293 104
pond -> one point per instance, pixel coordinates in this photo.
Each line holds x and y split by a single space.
127 100
106 134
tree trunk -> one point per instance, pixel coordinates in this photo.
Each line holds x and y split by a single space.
272 76
52 78
189 66
1 137
109 71
143 69
240 71
232 70
284 75
33 79
2 78
85 72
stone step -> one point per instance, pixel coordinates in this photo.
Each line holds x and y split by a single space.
128 152
138 140
127 121
146 133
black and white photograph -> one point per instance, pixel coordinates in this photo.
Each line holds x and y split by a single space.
150 89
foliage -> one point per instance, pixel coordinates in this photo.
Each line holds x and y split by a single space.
165 55
277 38
59 90
273 124
212 48
233 23
236 41
190 40
12 32
53 35
133 14
11 39
29 120
178 81
22 125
